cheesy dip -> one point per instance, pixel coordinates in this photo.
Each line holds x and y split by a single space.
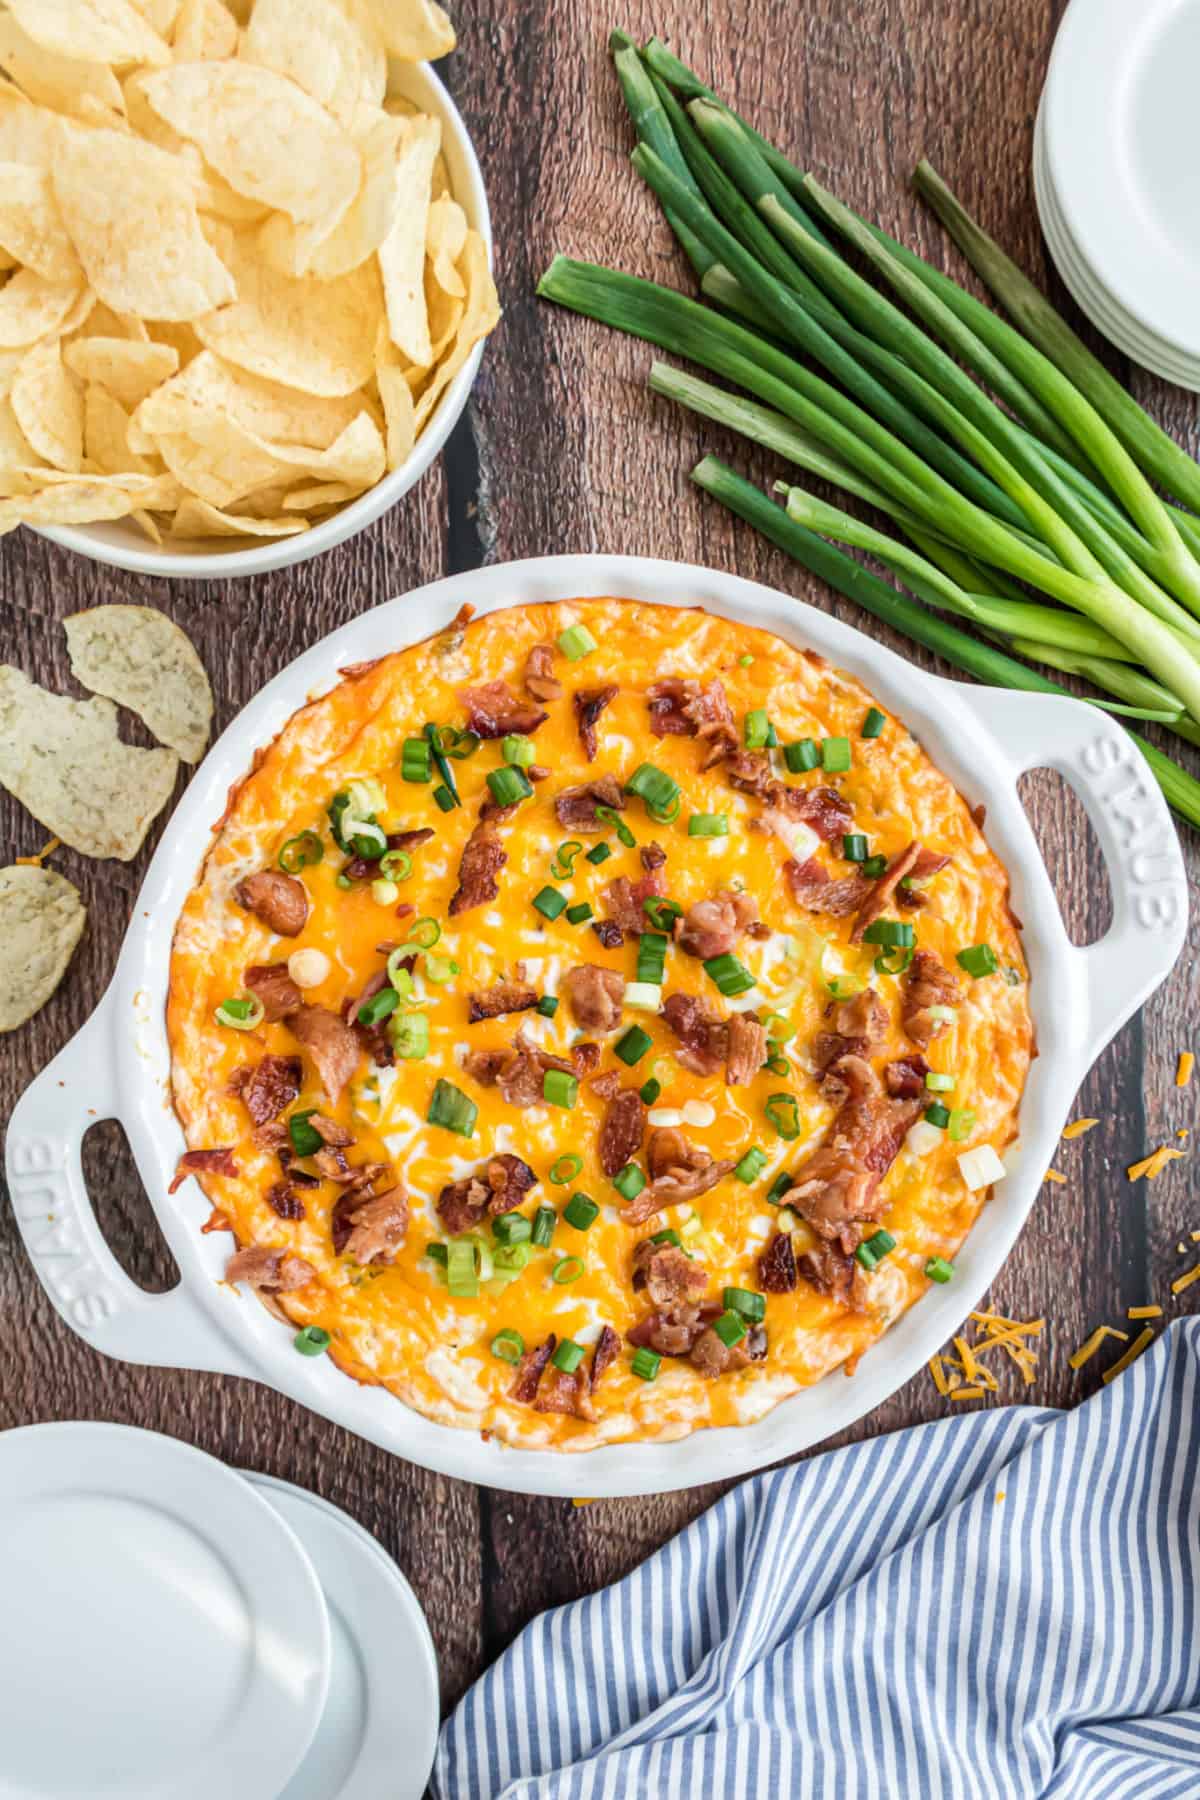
596 1022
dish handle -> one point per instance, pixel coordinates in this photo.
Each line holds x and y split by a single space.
1137 838
59 1227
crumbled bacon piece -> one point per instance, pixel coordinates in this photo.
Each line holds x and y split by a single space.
606 1084
609 933
815 891
196 1162
679 1171
529 1370
652 856
575 807
332 1047
837 1185
714 927
712 1356
928 864
365 868
608 1346
296 1176
702 1033
541 683
747 1048
625 901
777 1265
622 1131
856 1027
904 1079
277 1271
330 1132
685 709
483 857
377 1225
273 1136
268 1087
927 983
594 995
501 998
881 891
675 1331
273 988
668 1274
498 1186
279 900
563 1393
822 809
283 1199
589 704
494 711
835 1271
332 1162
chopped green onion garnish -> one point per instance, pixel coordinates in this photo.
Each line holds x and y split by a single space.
892 962
854 847
437 1253
730 975
564 858
451 1108
559 1088
745 660
751 1165
565 1169
875 866
652 957
512 1228
756 729
599 853
646 1363
649 1091
962 1124
575 642
653 785
433 734
895 933
844 987
305 1141
510 1259
730 1328
937 1114
801 756
343 881
424 933
300 851
461 1276
445 798
578 915
399 976
772 738
570 1268
645 996
939 1084
416 760
779 1027
667 1237
779 1187
629 1181
745 1301
509 1346
547 1006
873 1251
581 1211
835 754
384 893
549 902
509 785
378 1006
568 1356
945 1014
395 865
874 723
632 1045
784 1113
519 751
778 1065
454 741
544 1221
313 1340
239 1015
979 960
661 913
666 815
708 825
409 1036
608 815
938 1269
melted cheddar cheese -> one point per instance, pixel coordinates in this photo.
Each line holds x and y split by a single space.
396 1323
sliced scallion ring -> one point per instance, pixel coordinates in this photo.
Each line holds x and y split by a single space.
425 933
610 816
566 1168
395 865
783 1110
300 851
564 859
440 969
399 975
241 1014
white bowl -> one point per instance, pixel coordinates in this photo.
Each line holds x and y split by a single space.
121 544
119 1065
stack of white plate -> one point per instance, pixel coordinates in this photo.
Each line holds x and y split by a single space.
1117 177
176 1631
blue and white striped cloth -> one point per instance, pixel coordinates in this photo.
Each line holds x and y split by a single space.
999 1604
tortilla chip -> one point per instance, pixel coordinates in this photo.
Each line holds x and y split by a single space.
412 30
62 82
196 519
306 334
204 31
63 761
48 404
31 226
332 51
138 657
41 921
402 253
32 307
132 217
101 31
128 369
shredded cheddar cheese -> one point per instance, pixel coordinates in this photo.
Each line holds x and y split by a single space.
1183 1073
1077 1127
36 861
1185 1281
967 1393
1154 1164
1144 1312
1142 1342
1054 1175
964 1374
1090 1345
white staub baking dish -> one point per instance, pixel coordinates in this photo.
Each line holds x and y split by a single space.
118 1065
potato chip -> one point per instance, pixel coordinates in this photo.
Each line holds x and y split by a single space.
209 388
314 499
32 307
102 31
414 30
106 435
399 412
102 321
48 403
140 658
63 761
402 253
445 236
162 14
41 921
132 218
330 50
28 133
31 226
204 31
16 452
265 136
370 218
129 370
61 82
307 334
180 336
216 460
482 315
52 497
196 519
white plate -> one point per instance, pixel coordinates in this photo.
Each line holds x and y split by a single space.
164 1634
378 1733
1118 107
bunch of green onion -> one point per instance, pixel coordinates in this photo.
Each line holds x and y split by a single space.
1027 502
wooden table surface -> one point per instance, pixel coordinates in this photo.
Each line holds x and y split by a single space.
563 450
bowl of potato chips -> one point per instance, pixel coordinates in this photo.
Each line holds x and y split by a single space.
248 273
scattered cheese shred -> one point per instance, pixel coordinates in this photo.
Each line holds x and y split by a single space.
1144 1312
963 1375
45 851
1140 1343
583 1502
1154 1164
1054 1175
1195 1238
1185 1281
1183 1073
1000 1496
939 1375
1090 1346
967 1393
1077 1127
